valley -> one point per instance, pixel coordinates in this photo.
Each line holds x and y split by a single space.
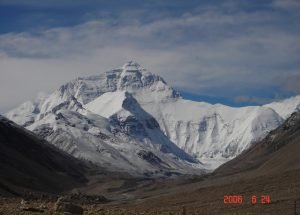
124 142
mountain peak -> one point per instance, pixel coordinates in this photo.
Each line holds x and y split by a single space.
132 67
131 63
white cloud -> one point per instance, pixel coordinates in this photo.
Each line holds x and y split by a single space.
208 51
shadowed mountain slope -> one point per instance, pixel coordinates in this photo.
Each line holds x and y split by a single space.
30 163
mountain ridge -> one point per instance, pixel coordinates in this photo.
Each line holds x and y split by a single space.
213 134
276 153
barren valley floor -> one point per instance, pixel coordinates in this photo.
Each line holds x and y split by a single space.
200 195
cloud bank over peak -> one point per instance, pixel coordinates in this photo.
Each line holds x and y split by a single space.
220 49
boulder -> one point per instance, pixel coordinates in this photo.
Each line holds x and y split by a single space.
66 207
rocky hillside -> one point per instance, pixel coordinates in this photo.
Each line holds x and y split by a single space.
28 162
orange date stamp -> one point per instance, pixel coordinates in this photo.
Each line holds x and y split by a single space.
238 199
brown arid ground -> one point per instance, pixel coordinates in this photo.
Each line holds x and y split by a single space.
204 195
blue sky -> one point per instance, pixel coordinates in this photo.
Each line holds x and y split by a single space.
232 52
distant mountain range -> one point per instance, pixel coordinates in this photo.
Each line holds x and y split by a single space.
131 120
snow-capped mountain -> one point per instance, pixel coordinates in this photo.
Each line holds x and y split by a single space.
94 138
131 119
285 107
213 133
127 139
